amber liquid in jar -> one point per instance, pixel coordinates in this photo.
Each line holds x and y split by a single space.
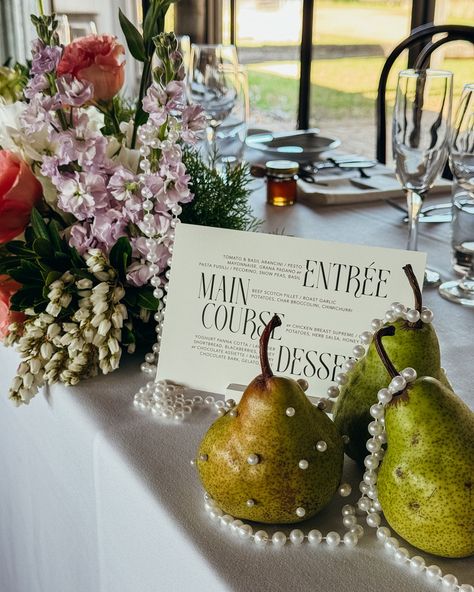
281 182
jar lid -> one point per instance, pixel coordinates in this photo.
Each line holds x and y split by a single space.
282 167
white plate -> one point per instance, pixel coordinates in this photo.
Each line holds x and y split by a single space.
302 146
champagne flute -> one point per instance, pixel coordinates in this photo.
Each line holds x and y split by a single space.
214 83
420 137
461 160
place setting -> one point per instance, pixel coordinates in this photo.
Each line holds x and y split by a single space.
234 342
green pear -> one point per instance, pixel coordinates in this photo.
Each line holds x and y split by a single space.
415 344
275 458
426 480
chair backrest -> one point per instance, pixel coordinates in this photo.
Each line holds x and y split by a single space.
420 35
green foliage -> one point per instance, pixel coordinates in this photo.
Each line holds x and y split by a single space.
220 199
133 37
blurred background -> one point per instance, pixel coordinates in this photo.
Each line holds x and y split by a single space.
349 40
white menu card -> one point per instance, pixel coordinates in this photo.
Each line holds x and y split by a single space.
225 285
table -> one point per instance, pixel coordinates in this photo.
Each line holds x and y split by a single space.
96 496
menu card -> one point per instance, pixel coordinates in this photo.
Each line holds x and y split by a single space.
225 285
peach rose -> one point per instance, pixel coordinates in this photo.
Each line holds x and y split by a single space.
95 59
8 287
20 190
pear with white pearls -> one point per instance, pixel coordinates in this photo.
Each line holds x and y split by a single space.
277 459
425 481
415 346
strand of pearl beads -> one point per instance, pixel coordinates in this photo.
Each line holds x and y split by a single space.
369 502
395 312
314 537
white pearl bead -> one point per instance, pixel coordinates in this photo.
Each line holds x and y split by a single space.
384 396
375 428
235 525
350 539
377 506
300 512
303 384
349 521
433 571
391 543
221 412
383 533
358 530
417 563
296 536
333 392
366 337
250 503
372 445
349 364
376 411
279 538
390 316
321 446
409 374
348 510
363 487
373 520
449 581
372 492
333 538
261 537
358 351
303 464
413 315
341 378
226 520
245 531
253 459
399 309
376 324
401 555
363 504
290 411
466 588
371 462
426 316
314 537
398 383
344 489
216 513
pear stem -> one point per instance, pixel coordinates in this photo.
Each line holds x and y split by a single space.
264 339
415 286
387 362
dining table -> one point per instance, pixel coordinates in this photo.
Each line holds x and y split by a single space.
99 496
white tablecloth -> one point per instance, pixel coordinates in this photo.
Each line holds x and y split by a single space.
97 497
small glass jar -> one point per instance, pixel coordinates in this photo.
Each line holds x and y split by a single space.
281 182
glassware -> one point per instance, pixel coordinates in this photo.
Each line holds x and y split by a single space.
420 137
461 160
214 82
231 133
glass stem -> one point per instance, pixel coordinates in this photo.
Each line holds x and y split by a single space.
211 144
414 203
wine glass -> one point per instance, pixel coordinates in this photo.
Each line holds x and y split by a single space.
420 137
214 83
461 160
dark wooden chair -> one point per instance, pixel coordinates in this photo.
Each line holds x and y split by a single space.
421 36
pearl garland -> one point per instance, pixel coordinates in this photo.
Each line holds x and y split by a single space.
296 536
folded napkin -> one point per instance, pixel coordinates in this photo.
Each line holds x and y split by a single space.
351 188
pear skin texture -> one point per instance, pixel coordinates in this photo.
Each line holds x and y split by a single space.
277 484
415 348
426 479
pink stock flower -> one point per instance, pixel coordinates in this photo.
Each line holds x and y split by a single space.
123 184
74 92
82 194
193 121
95 59
80 237
108 227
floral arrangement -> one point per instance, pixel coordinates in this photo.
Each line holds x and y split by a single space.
91 189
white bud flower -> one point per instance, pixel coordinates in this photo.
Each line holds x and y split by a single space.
104 327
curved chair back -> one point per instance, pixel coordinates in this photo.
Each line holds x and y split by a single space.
423 34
